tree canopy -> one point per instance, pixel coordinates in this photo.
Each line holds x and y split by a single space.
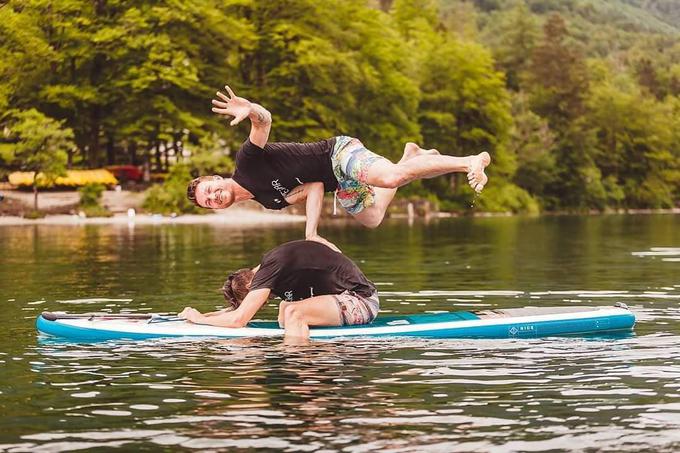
577 101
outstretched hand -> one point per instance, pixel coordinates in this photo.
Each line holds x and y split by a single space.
232 105
326 242
192 315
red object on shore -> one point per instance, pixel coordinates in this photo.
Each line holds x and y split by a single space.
126 172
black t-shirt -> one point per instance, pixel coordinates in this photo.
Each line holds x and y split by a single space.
300 269
270 173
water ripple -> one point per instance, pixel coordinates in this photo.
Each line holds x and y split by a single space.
609 393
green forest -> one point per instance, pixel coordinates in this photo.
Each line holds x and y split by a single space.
577 101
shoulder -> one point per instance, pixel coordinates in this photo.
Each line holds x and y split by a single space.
282 254
313 249
267 273
249 149
281 251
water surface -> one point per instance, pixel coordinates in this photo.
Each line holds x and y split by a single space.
608 394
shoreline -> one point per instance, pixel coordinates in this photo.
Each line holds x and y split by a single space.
234 217
61 208
250 217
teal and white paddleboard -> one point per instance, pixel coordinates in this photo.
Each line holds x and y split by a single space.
506 323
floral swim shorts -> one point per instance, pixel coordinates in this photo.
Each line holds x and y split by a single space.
356 309
351 160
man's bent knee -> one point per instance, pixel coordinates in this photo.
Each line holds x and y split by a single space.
391 178
282 312
370 217
372 222
291 313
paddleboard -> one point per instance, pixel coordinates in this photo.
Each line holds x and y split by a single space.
503 323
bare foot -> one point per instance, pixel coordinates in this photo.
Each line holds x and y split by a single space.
412 150
476 176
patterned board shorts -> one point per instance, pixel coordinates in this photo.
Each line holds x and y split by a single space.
351 160
356 309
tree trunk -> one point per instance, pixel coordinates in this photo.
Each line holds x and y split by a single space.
174 148
132 151
385 5
166 151
180 146
93 158
110 150
177 147
95 79
35 194
157 155
147 164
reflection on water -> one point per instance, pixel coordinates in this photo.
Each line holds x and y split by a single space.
600 393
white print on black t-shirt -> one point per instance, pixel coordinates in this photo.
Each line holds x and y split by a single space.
311 291
288 295
278 186
298 180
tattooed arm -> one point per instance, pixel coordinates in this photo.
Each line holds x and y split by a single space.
241 108
261 124
312 194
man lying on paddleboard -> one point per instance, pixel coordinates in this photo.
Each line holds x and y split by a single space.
277 175
318 287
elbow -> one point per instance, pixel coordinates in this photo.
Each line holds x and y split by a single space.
240 321
373 223
312 194
392 180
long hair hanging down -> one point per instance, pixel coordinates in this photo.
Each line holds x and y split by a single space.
236 286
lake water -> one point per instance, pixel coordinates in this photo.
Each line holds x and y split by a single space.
552 394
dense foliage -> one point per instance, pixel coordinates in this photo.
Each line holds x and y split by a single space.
38 145
170 198
578 101
90 201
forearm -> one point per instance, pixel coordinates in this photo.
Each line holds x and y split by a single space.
259 116
313 207
223 319
218 312
261 124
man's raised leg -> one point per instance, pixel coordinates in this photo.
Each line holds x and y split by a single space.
426 164
416 163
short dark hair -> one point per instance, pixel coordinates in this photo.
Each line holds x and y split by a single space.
191 188
237 285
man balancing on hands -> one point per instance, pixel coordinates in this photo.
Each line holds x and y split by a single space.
280 174
318 287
